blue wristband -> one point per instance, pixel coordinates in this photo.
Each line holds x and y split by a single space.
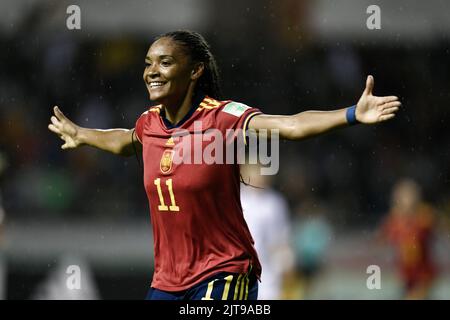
351 115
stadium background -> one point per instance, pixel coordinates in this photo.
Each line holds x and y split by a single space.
89 208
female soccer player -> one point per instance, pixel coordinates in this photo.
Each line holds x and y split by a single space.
409 227
202 246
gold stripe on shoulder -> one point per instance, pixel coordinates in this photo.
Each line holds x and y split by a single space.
209 103
212 101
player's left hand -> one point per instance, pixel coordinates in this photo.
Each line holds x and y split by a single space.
373 109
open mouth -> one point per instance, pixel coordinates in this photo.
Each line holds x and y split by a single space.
156 84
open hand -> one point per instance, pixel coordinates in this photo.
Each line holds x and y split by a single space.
373 109
65 129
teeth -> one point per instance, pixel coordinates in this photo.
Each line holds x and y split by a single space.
156 84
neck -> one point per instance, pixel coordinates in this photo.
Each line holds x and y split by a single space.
177 109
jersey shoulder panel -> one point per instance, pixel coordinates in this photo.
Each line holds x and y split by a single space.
144 118
234 115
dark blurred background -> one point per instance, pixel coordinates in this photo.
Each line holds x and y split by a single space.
282 56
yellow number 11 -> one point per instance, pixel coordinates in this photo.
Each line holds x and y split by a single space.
162 206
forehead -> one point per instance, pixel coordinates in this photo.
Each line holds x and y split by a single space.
166 47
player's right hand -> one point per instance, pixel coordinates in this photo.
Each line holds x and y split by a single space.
65 129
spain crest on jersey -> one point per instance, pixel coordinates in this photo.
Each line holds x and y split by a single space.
166 161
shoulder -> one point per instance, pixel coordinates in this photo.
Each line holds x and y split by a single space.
151 111
230 111
144 119
222 111
234 108
228 107
229 114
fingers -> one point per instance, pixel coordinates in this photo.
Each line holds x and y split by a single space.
388 99
58 113
57 131
370 82
389 110
387 117
55 121
56 126
54 129
390 105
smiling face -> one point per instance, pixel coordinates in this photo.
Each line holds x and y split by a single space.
169 71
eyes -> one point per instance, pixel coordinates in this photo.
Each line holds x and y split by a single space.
164 63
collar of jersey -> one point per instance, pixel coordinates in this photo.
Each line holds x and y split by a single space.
195 103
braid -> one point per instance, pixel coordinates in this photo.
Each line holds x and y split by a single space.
199 51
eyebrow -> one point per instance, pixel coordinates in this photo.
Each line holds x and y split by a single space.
161 57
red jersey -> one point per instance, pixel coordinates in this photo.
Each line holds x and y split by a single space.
412 236
197 219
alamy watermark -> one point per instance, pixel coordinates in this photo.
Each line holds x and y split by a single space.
73 21
374 20
374 280
73 281
211 146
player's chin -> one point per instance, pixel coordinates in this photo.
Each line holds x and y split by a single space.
156 94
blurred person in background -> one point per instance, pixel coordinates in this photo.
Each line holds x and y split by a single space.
266 210
409 227
311 238
181 76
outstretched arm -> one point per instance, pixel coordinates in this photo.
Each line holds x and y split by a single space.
116 141
369 109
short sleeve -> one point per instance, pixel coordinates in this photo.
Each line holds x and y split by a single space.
139 127
235 116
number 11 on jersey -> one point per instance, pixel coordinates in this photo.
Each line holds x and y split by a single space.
162 206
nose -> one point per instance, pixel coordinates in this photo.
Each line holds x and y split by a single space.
150 72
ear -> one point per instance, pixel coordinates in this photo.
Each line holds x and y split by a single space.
197 71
